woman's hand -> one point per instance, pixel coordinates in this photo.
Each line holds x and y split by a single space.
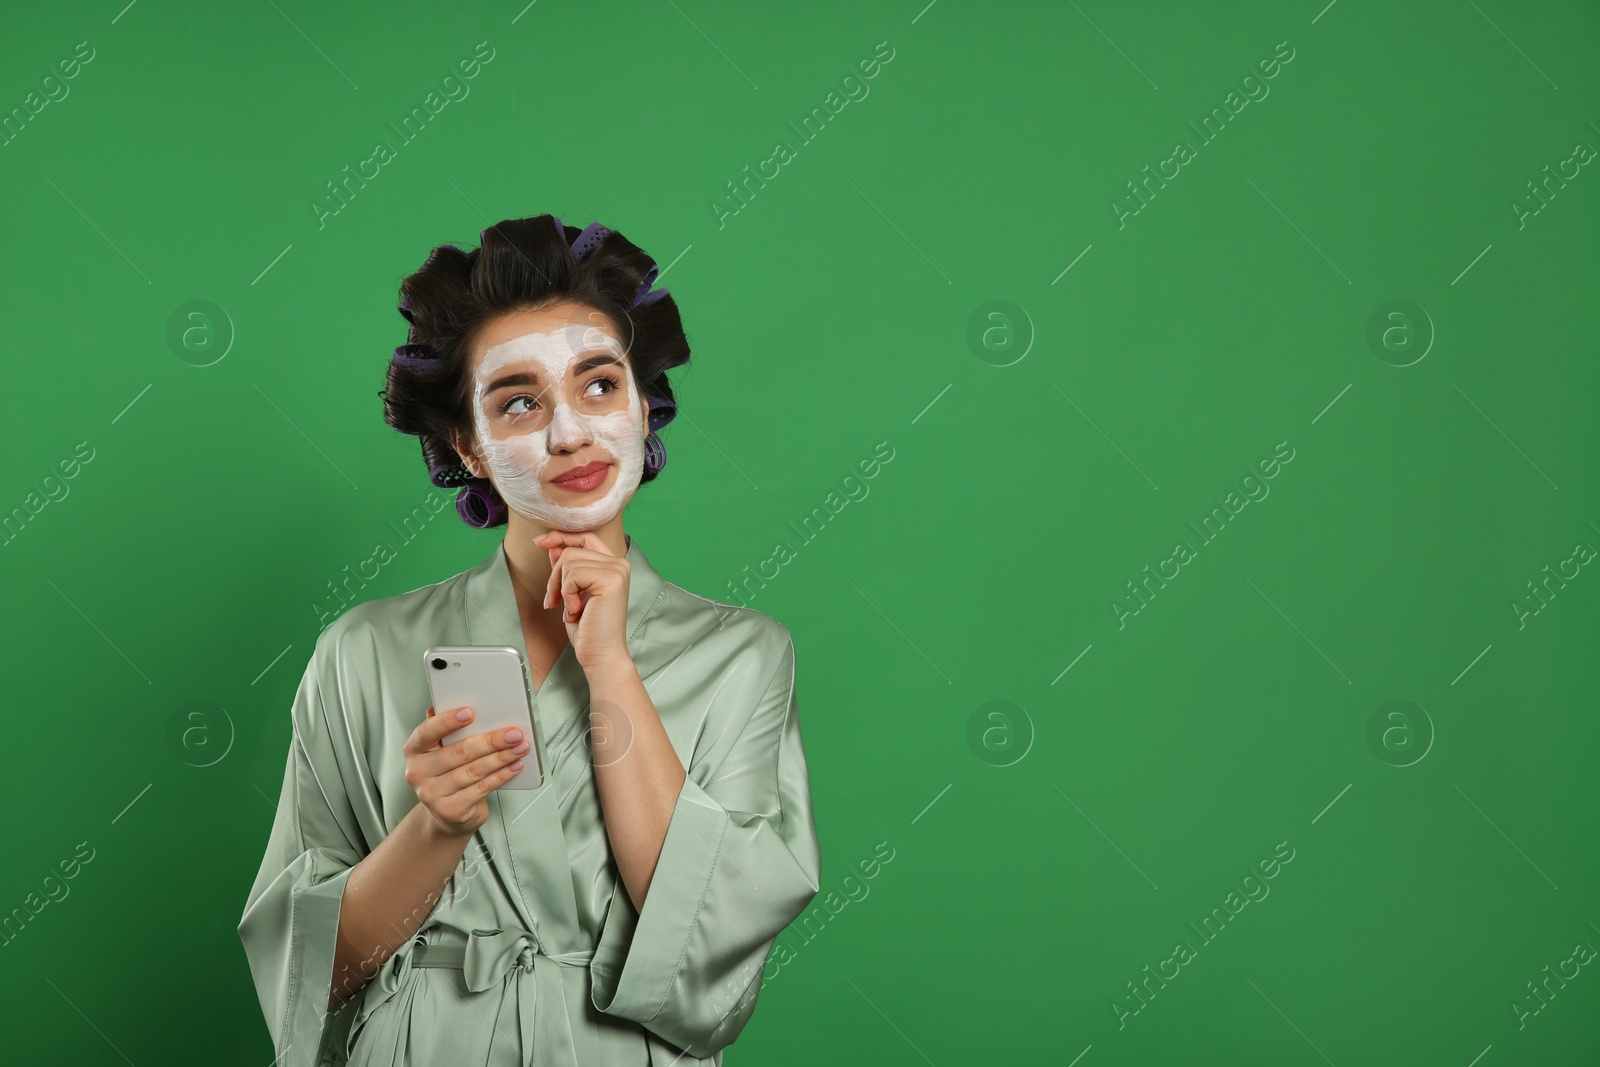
590 585
452 780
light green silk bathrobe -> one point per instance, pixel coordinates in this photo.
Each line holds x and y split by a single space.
534 952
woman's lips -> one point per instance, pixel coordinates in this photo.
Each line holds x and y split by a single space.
584 478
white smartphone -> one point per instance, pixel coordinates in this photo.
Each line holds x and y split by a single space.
489 679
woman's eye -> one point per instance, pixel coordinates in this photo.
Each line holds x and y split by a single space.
607 383
612 385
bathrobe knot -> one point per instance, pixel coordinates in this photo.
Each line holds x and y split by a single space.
536 986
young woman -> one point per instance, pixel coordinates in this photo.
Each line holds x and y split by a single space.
408 910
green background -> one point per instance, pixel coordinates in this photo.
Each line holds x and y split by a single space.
1046 849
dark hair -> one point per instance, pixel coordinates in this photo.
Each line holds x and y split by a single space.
521 264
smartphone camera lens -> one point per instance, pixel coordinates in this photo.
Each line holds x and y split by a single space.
439 664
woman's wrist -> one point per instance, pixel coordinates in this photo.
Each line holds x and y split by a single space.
433 833
618 669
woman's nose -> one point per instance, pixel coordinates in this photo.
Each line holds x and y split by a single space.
567 431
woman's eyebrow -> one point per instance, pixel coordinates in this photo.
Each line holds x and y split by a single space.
604 359
533 377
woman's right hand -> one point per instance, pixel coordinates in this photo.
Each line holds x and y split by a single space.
452 780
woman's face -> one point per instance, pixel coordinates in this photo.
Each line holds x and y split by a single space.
557 418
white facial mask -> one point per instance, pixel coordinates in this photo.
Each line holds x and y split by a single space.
518 461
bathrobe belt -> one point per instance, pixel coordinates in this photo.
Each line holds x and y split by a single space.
486 957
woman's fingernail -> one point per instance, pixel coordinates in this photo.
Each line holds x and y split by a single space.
464 714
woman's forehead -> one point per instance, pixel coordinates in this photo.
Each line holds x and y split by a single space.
549 319
551 354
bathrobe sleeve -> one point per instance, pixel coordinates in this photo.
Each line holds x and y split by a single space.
740 861
292 915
